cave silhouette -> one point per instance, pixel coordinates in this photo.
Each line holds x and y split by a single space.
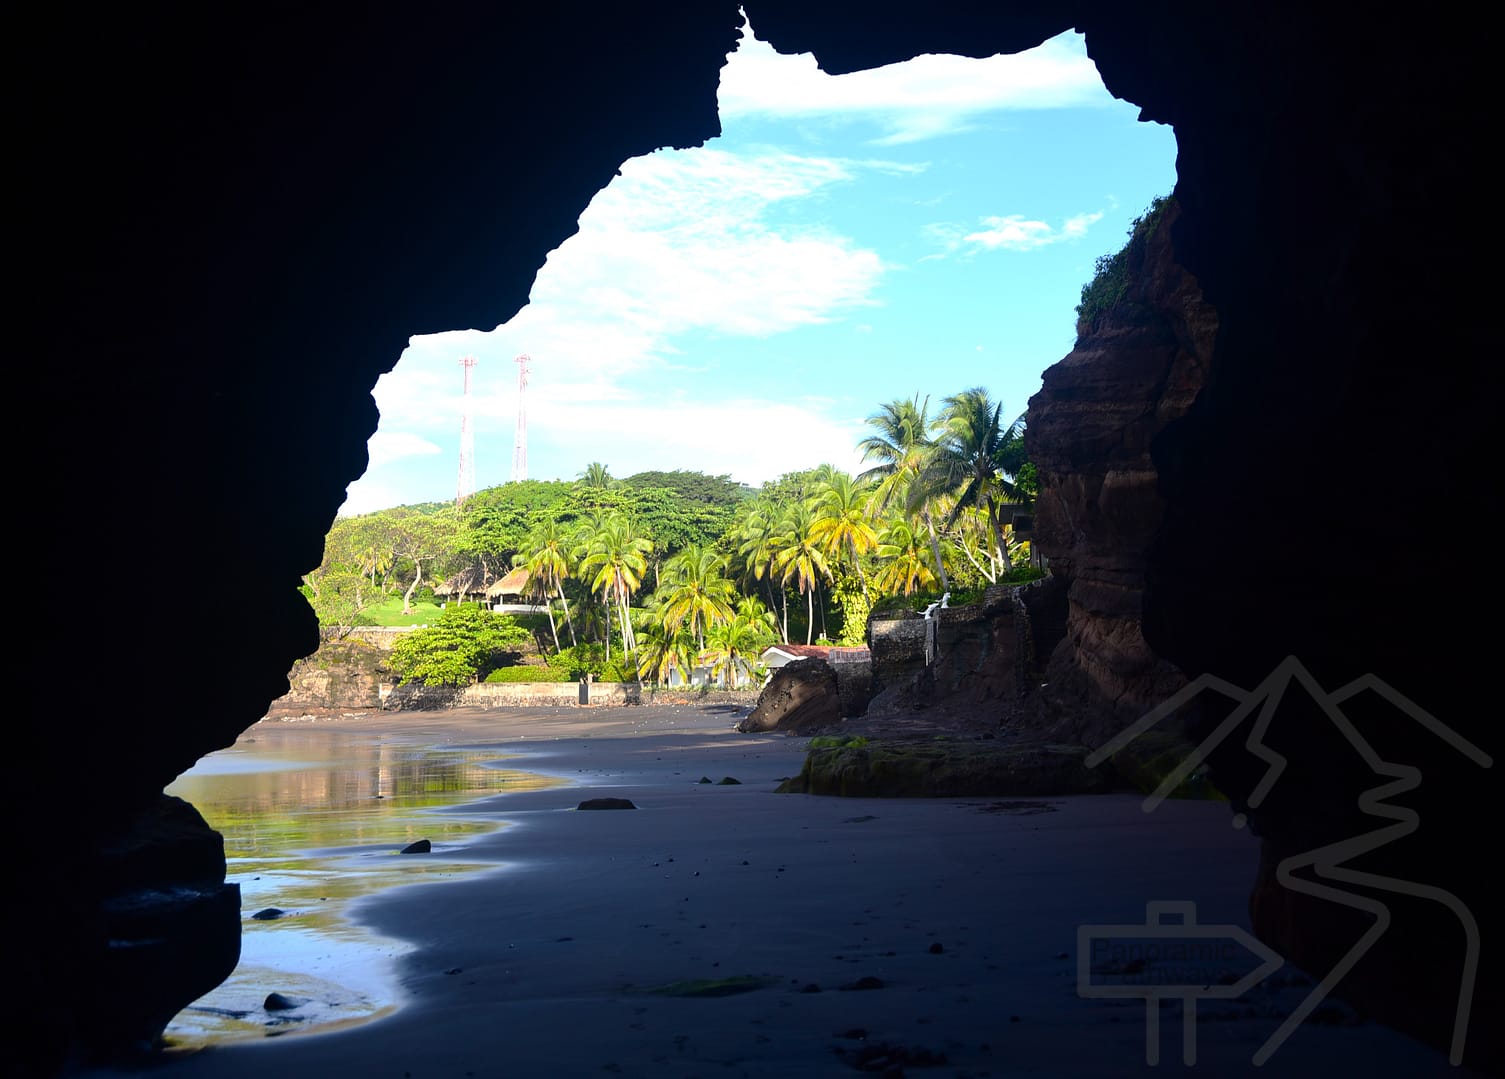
231 224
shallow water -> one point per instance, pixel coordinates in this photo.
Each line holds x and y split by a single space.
314 820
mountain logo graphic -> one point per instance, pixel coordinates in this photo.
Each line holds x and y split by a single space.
1328 862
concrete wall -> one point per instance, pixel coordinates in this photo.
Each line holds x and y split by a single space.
555 694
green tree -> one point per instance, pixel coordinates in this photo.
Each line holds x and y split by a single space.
598 476
463 640
732 647
338 592
616 557
971 445
546 557
756 537
799 554
850 597
903 568
841 523
421 540
697 591
663 649
901 447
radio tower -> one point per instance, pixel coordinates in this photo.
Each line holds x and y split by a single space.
520 440
467 486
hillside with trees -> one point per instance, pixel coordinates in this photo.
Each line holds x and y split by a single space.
650 576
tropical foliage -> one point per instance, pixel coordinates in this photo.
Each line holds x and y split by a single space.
677 576
462 642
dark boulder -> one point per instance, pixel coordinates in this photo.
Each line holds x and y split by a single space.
801 698
606 803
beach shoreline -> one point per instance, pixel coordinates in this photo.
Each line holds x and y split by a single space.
722 929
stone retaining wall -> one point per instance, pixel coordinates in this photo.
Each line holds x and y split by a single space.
555 694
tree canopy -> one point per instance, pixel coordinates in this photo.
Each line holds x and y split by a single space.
662 572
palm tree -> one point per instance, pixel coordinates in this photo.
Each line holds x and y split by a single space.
756 536
841 522
596 475
971 446
901 446
546 557
799 554
699 594
728 644
663 650
904 569
751 609
618 558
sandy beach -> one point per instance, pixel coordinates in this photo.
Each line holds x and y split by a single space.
722 929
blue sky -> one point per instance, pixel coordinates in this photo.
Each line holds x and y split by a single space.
740 308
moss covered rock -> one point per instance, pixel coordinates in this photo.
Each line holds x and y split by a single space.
1148 761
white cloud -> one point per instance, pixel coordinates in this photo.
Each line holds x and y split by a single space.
680 241
921 98
384 447
749 438
1015 233
367 495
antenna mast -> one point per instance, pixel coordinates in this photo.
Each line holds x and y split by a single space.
467 484
520 441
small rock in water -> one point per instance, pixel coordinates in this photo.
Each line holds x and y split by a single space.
705 779
865 982
278 1002
269 914
728 781
606 803
422 846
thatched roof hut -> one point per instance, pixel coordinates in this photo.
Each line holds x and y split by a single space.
514 584
468 582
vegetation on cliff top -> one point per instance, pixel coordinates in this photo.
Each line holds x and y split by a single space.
1110 280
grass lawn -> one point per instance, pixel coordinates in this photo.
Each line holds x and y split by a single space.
389 613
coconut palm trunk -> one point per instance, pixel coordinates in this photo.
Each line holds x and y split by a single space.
935 550
568 621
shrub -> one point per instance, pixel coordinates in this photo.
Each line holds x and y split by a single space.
579 661
462 640
528 674
1024 574
1110 281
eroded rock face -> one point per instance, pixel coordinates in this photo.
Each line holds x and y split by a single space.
969 663
345 674
801 698
1135 368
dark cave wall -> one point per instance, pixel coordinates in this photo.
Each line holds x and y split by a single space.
229 227
231 224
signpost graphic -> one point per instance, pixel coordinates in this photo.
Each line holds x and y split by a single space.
1170 956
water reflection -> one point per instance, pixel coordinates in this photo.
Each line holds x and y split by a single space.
313 819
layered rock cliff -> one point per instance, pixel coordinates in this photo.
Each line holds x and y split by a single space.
1138 364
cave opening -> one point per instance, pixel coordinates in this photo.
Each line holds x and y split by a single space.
905 232
229 242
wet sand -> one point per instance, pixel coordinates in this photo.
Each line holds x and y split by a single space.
726 930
